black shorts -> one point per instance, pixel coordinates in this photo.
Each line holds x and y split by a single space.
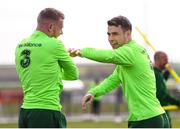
160 121
41 118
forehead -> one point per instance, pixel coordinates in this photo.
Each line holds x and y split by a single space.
114 28
60 22
163 55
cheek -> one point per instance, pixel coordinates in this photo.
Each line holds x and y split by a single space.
56 31
59 30
120 38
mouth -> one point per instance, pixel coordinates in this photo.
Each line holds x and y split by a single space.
114 45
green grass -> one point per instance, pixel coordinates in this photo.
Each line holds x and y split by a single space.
91 124
84 124
8 125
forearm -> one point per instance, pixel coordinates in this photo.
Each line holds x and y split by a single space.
105 56
69 70
102 89
72 74
106 86
121 56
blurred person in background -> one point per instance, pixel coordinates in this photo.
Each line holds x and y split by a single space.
134 71
161 74
96 104
118 102
41 63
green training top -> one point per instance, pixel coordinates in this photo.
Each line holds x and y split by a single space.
135 72
162 93
41 63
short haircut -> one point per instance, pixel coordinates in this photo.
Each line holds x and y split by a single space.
49 14
122 21
157 55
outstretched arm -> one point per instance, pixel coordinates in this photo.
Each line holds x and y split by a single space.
104 87
121 56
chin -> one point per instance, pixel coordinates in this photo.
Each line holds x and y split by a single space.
113 47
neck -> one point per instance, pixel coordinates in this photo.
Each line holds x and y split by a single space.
128 40
157 66
43 29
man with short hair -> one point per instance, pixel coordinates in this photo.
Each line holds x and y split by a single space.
41 63
161 74
133 70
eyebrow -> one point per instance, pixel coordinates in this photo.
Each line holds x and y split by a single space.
113 33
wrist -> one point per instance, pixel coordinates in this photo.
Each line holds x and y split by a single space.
80 54
89 93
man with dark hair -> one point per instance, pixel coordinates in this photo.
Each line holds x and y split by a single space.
134 71
41 63
161 74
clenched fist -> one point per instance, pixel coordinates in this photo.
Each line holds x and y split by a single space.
74 52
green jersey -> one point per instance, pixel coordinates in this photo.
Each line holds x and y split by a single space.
41 63
93 86
135 72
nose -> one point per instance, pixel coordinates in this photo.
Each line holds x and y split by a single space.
110 38
61 32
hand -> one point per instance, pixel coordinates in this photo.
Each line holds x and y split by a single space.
168 66
88 98
166 74
74 52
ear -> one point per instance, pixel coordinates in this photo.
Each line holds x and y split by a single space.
50 27
128 33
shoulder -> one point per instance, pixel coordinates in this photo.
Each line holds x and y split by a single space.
158 73
156 70
53 40
20 44
125 50
56 42
125 47
130 46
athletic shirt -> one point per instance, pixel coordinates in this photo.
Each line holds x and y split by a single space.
135 72
41 64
